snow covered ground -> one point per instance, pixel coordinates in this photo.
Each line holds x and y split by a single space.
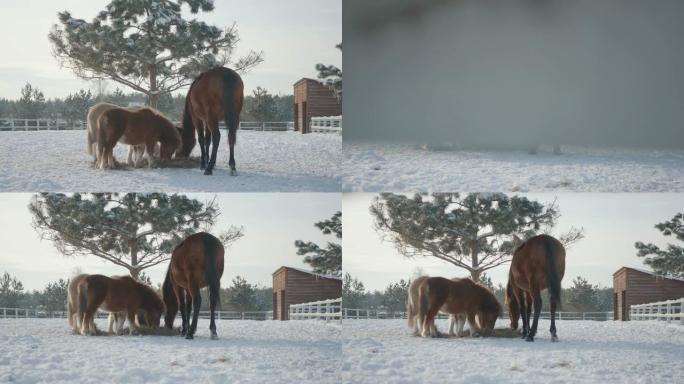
266 162
382 351
44 350
404 167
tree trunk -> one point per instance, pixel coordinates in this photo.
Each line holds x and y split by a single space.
133 270
474 262
153 96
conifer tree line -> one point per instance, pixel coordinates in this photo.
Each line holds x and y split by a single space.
259 106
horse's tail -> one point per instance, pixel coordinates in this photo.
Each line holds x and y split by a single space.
230 82
82 299
170 300
211 273
553 280
188 128
101 125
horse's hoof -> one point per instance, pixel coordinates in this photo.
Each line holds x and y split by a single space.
529 338
208 171
214 336
189 336
233 172
554 338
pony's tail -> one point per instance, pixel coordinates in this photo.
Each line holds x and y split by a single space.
100 136
553 281
410 311
423 292
82 300
211 273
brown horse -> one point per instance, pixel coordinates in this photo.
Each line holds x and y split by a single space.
456 297
196 262
214 95
412 310
537 264
142 126
120 294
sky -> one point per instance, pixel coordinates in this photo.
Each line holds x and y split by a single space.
294 36
271 221
612 223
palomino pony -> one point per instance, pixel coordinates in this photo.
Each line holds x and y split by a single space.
214 95
412 310
120 294
456 297
538 263
142 126
196 262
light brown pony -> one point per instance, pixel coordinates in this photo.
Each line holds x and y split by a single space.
455 297
214 95
538 263
412 311
142 126
196 262
120 294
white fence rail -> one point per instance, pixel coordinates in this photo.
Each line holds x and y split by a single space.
322 310
669 310
326 124
8 124
17 313
357 313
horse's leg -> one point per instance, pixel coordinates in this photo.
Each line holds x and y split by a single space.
232 138
131 321
182 300
461 323
196 303
149 152
131 152
111 319
207 145
216 139
474 328
203 152
554 337
536 295
452 322
524 313
213 300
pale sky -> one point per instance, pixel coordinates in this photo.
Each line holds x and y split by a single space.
612 222
272 222
294 35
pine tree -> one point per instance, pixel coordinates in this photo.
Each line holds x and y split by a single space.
242 295
395 296
11 291
582 295
134 231
326 260
146 45
353 292
31 105
55 295
476 232
331 75
262 106
76 105
669 262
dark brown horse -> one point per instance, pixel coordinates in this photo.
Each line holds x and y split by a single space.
537 264
119 294
142 126
457 297
214 95
196 262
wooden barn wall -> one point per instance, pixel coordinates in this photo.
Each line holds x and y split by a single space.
279 284
302 288
314 99
642 288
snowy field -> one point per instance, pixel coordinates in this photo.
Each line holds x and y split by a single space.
383 351
403 167
44 351
266 162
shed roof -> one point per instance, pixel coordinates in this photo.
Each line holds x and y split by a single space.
319 275
649 273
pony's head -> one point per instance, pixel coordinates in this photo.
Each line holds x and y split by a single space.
490 311
170 140
152 304
513 307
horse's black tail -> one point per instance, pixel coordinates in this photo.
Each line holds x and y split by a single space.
170 300
230 81
553 280
211 273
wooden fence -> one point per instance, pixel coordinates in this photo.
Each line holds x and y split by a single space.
323 310
326 124
8 124
18 313
669 310
356 313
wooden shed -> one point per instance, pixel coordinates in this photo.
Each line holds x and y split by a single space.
634 286
295 286
313 99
